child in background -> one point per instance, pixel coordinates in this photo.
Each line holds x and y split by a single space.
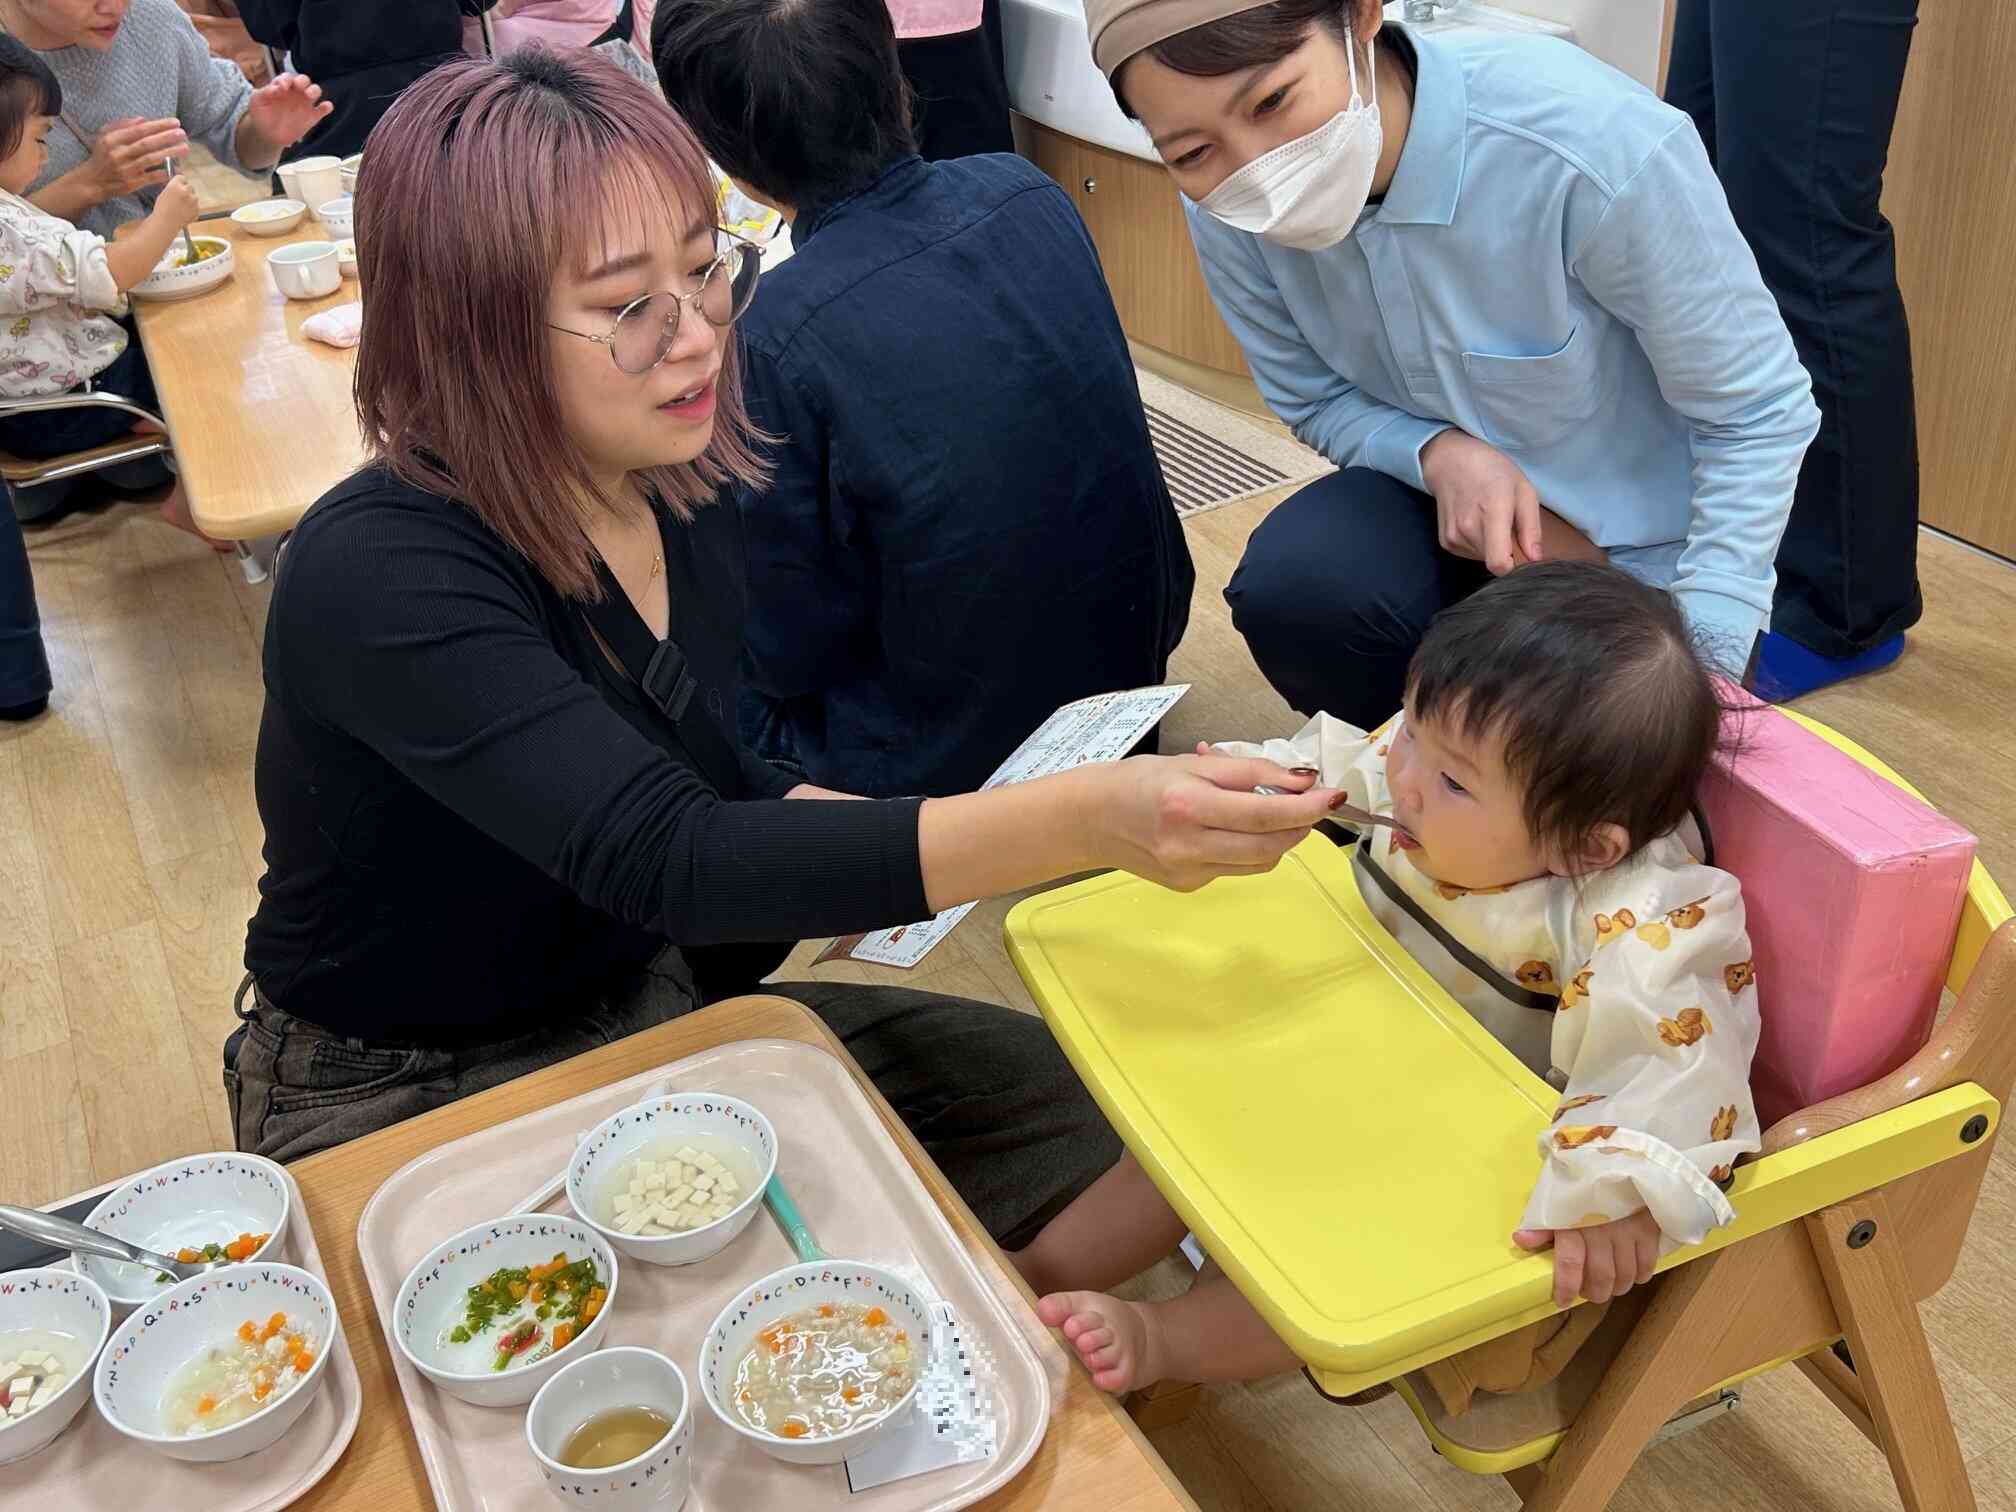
1550 877
60 289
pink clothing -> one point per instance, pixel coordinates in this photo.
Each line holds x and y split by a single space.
934 18
557 23
913 18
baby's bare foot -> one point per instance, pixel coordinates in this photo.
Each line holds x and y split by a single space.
1118 1341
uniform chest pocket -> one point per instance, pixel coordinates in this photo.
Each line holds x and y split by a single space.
1528 402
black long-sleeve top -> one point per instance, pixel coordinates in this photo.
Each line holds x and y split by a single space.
475 822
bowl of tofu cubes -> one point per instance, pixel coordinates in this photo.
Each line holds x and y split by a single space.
673 1180
53 1326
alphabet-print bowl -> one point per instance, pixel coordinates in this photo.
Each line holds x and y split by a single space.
433 1301
665 1122
623 1376
198 1200
754 1308
144 1361
43 1302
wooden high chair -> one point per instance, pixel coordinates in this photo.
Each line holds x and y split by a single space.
1355 1150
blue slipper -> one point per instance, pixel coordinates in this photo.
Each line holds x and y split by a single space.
1787 670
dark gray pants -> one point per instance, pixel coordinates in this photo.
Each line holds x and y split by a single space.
985 1089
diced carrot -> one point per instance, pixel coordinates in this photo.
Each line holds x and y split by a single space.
850 1393
793 1430
518 1290
563 1335
902 1335
206 1404
744 1397
294 1342
188 1256
590 1309
249 1331
825 1309
598 1294
876 1317
536 1293
303 1360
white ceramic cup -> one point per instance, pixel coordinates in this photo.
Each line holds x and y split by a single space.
313 180
306 270
620 1376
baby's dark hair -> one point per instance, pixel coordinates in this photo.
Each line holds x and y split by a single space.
28 87
1592 682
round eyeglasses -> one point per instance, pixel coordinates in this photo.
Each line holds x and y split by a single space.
647 326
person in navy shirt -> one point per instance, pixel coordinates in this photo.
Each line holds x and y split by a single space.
965 525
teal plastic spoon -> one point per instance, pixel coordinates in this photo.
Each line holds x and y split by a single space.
792 1222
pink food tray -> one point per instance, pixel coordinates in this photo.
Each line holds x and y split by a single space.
862 1201
92 1465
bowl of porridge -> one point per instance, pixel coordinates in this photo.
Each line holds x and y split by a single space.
221 1366
817 1361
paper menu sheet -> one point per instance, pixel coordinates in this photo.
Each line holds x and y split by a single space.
1104 727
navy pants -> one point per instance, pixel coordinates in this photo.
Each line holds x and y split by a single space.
1795 100
24 667
1337 588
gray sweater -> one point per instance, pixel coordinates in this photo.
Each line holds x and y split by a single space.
158 66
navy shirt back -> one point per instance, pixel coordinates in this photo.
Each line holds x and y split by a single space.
967 526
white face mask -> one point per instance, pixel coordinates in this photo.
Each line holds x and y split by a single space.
1308 193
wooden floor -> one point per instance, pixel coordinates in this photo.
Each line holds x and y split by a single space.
129 853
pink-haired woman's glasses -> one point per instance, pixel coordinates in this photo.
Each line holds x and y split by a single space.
647 326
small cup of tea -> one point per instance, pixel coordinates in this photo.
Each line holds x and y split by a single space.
615 1426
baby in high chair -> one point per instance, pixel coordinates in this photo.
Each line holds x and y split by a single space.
1552 877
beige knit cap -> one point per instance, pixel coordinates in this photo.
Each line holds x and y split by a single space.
1121 28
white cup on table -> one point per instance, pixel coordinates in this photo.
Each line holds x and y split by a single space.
657 1480
313 180
306 270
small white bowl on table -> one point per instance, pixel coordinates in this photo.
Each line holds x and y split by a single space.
269 217
337 217
791 1290
169 281
613 1143
199 1200
150 1349
620 1376
51 1301
432 1298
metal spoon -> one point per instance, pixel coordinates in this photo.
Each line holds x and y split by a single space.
64 1234
188 241
1349 813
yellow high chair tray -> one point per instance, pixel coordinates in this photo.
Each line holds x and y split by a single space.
1349 1144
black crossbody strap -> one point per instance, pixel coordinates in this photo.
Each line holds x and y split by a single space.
659 670
1483 970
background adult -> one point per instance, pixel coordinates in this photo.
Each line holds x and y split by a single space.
139 85
1484 273
964 524
362 53
1794 101
489 845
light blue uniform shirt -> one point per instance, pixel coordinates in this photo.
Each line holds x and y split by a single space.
1555 270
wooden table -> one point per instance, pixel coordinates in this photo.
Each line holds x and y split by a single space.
261 416
1093 1459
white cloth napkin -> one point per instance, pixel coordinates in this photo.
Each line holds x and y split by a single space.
339 327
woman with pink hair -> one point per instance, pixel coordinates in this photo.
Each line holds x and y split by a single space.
507 815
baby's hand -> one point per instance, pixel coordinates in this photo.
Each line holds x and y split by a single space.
1601 1262
176 204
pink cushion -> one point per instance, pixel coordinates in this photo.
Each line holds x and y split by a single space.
1853 890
